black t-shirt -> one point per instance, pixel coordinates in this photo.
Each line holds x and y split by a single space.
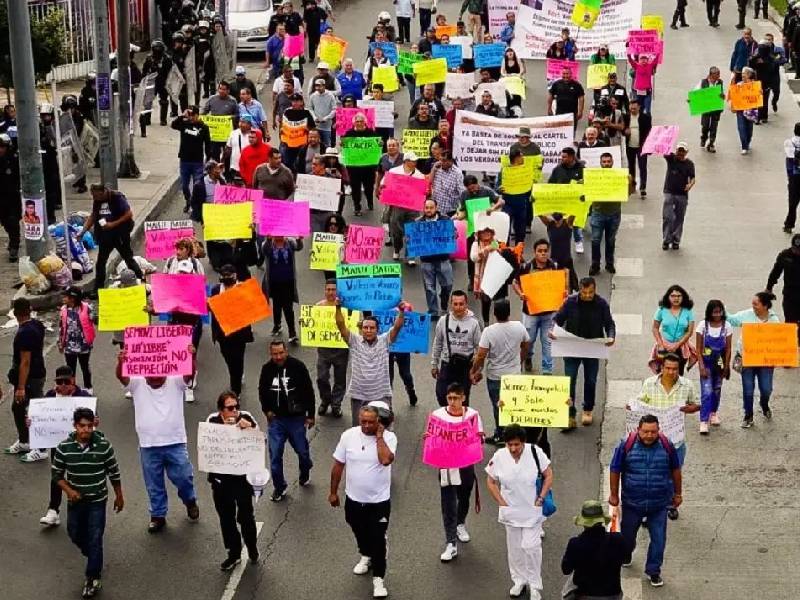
111 209
678 174
30 338
566 94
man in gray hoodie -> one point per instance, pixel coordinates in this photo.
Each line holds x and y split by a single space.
454 344
322 104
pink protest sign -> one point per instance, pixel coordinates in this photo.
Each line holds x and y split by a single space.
157 351
661 140
452 445
293 45
160 237
281 217
461 240
344 118
404 191
230 194
556 65
364 244
182 292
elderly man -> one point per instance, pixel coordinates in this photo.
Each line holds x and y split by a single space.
351 82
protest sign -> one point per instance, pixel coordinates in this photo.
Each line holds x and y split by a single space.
179 292
361 151
591 156
568 344
386 75
449 30
644 41
405 62
228 221
515 85
517 179
744 96
545 291
534 400
532 163
418 141
653 22
605 185
219 127
475 205
488 55
495 273
331 50
318 326
479 140
51 418
364 244
344 118
282 217
661 140
461 240
497 10
389 50
706 100
563 198
585 13
32 211
239 306
555 66
597 75
294 133
769 345
229 450
384 111
160 237
450 52
671 421
230 194
413 337
119 308
157 351
293 45
497 90
321 193
498 220
452 445
404 191
430 71
430 238
465 41
369 287
325 251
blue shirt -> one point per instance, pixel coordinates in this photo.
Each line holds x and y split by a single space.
507 34
673 328
274 49
254 110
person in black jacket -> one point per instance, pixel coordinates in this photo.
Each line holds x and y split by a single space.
234 345
787 263
634 140
10 201
287 399
158 62
194 150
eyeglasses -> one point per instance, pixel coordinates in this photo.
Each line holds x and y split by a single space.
231 407
63 381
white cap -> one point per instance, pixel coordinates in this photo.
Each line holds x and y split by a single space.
410 156
240 70
323 65
683 145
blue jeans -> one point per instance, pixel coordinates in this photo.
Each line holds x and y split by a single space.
604 224
749 376
710 393
441 271
493 387
577 234
86 522
191 174
516 208
632 518
590 368
745 128
645 100
279 430
538 326
174 459
325 137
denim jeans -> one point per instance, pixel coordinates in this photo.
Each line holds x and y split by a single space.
325 137
604 224
632 518
538 326
493 387
517 210
645 100
577 234
440 271
745 128
279 430
749 376
710 393
86 522
590 368
191 174
174 459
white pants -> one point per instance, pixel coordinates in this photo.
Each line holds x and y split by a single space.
525 555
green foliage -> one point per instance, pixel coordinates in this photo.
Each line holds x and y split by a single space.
48 41
779 5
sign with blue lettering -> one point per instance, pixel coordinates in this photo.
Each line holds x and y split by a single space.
369 287
488 55
415 334
389 50
451 52
428 238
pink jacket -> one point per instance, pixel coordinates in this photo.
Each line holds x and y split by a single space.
643 74
86 325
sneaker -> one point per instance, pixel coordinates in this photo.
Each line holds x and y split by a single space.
643 194
676 246
336 412
684 25
294 340
17 448
572 424
665 246
229 563
378 588
156 524
611 269
586 418
528 365
774 106
411 262
579 247
767 413
462 533
747 422
656 581
517 590
703 427
395 256
492 440
673 26
34 455
450 552
363 565
91 588
304 480
712 149
51 518
90 391
787 230
715 420
322 410
278 495
193 511
594 269
276 332
188 395
627 565
412 398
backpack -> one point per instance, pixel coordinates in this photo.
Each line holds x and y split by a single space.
632 436
171 261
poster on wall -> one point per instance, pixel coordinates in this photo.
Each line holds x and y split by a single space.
32 211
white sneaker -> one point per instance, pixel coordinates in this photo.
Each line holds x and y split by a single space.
362 566
744 152
378 589
411 262
128 396
579 247
90 391
51 519
715 420
17 448
516 590
450 552
34 455
703 428
188 395
462 533
535 595
395 256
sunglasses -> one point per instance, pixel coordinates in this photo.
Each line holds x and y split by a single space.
63 381
231 407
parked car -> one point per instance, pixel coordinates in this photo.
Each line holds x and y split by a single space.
250 19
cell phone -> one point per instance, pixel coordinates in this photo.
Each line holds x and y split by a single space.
102 222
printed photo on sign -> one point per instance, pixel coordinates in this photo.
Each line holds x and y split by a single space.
33 218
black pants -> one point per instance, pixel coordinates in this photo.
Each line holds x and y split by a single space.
313 44
791 310
282 296
233 500
763 110
369 523
216 150
403 362
635 157
121 242
712 11
446 377
708 126
762 5
233 354
403 29
33 389
486 302
794 199
538 436
362 177
55 490
455 503
742 5
10 223
83 359
424 20
680 12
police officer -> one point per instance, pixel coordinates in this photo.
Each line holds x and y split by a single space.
179 51
10 201
69 104
49 150
157 62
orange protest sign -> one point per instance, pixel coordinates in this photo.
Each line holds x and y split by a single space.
769 345
448 30
744 96
294 133
240 306
544 290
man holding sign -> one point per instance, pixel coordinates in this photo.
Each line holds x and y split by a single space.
678 180
605 220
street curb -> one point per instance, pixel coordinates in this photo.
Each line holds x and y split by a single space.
153 207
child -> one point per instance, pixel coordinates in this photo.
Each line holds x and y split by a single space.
76 333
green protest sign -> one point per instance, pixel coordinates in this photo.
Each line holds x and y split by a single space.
706 100
406 61
475 205
361 151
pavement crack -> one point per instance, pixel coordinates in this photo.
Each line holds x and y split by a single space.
269 550
717 528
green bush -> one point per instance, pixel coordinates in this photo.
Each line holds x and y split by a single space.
779 5
48 41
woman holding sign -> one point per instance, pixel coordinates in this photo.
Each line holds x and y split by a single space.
744 118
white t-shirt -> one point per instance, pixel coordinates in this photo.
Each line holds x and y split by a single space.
237 141
518 485
277 87
404 8
159 412
366 479
503 340
725 329
441 413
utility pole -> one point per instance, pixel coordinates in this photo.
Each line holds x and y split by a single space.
127 161
65 223
108 159
30 161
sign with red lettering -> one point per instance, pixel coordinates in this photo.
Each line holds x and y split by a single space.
157 351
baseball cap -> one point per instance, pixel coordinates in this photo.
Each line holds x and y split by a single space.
524 131
682 145
74 292
319 82
240 70
410 156
323 65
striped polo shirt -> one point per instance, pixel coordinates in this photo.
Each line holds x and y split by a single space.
369 368
85 468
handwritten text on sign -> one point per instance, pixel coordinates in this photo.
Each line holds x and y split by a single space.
157 351
556 66
430 238
670 420
321 193
364 244
344 118
229 450
404 191
318 326
605 185
369 287
661 140
325 251
51 418
283 218
415 334
160 237
452 445
229 194
769 344
534 400
745 96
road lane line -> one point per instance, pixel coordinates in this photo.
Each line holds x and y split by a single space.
238 570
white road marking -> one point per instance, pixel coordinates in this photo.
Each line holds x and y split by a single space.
631 221
628 324
629 267
238 570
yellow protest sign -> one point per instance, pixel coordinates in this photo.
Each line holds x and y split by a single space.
227 221
325 251
534 400
318 326
430 71
331 50
769 344
653 22
605 185
418 141
536 161
122 307
744 96
585 14
517 179
386 76
515 85
563 198
597 75
219 127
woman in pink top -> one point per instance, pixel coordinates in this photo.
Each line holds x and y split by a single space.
643 71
